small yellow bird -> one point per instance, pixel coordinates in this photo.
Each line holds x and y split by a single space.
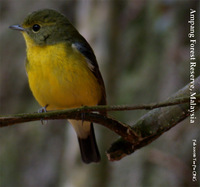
63 71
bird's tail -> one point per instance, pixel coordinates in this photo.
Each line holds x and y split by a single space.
87 141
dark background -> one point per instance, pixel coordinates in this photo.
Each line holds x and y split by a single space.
142 49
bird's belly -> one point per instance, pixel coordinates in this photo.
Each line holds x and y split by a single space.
63 84
64 92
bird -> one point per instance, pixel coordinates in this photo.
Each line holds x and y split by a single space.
63 72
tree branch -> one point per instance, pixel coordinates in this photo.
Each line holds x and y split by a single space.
75 113
147 129
153 124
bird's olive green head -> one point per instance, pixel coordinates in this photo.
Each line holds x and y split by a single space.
46 27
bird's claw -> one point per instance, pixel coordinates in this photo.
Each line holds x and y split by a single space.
43 110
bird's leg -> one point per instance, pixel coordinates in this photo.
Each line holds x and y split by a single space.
42 110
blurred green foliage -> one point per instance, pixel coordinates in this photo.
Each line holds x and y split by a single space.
142 49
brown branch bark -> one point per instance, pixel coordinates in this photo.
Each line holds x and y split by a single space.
152 125
75 113
147 129
114 125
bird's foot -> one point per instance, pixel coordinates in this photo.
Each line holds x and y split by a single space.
43 110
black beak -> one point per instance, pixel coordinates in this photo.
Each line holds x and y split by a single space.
17 27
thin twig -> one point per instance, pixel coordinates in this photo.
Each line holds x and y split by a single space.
75 113
156 122
164 116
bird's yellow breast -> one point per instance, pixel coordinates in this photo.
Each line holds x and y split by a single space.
59 76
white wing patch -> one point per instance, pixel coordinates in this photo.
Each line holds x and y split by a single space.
90 65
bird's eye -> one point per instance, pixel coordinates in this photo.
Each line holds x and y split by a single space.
36 28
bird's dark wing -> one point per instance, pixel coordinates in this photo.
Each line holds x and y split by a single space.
85 49
88 53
